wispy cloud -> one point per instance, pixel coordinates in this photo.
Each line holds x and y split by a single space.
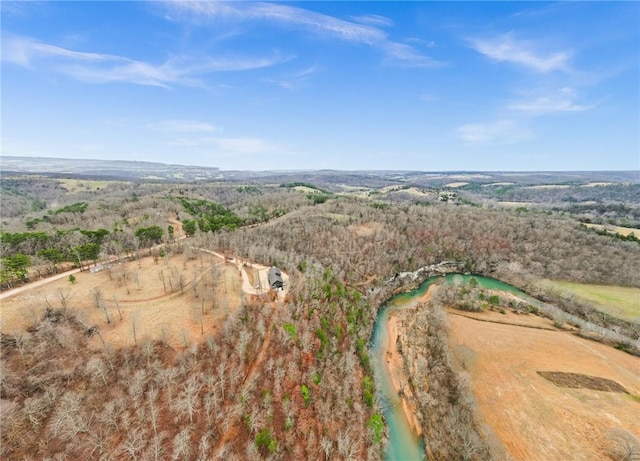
24 51
374 20
309 21
407 55
294 80
526 53
21 9
564 100
232 145
183 126
246 145
495 133
105 68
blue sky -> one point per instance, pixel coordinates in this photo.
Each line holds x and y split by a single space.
434 86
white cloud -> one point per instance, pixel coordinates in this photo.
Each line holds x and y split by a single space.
22 8
373 20
564 100
184 126
246 145
232 145
407 55
310 21
105 68
522 52
295 79
496 133
23 51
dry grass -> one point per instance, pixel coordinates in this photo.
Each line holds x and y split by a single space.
306 190
79 185
549 186
615 229
195 296
534 418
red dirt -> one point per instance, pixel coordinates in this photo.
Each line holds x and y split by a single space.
232 432
534 418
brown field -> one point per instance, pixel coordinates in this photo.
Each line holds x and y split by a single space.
549 186
535 418
615 229
191 302
456 184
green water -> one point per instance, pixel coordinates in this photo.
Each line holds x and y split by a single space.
403 444
487 282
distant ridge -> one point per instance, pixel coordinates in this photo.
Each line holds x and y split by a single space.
155 171
112 169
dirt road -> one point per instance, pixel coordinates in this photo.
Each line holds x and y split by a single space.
36 284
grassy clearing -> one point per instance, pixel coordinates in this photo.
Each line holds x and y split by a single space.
307 190
174 299
78 185
615 229
621 302
549 186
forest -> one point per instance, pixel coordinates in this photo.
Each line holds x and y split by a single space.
288 378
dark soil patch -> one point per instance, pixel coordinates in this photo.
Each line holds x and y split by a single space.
580 381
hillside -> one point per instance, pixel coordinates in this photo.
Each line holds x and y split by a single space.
292 376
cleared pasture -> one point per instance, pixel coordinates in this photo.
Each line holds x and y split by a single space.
534 418
621 302
615 229
176 299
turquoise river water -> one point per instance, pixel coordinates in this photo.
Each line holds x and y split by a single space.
403 443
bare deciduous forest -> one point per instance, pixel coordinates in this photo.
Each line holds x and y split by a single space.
282 378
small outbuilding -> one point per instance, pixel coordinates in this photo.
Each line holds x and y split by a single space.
275 278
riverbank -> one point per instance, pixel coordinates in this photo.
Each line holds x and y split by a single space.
395 368
395 363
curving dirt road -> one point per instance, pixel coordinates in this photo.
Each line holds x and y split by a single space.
36 284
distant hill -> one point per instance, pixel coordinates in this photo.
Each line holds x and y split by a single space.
150 171
103 169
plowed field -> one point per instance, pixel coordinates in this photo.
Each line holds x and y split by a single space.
535 418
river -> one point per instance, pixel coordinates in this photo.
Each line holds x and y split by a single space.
404 445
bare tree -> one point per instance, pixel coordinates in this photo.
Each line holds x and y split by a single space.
64 296
623 445
182 444
117 306
97 369
188 401
134 443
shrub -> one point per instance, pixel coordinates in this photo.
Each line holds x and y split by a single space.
264 439
376 425
304 390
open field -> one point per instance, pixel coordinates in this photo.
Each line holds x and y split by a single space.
514 204
456 184
621 302
81 185
549 186
535 418
615 229
306 190
174 299
597 184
